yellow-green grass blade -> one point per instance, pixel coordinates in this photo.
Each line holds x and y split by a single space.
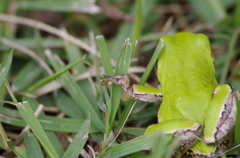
79 141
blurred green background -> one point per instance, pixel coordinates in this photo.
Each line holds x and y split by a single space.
61 49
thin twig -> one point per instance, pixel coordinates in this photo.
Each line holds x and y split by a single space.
54 85
93 153
28 52
44 27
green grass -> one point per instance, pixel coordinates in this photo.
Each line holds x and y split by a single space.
53 55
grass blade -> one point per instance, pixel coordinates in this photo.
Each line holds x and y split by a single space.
142 82
237 125
50 123
236 18
60 5
137 27
5 66
78 95
105 56
32 146
79 141
20 152
122 67
229 57
137 144
25 77
211 11
55 75
26 112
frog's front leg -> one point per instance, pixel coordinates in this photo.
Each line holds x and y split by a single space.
186 131
220 115
136 92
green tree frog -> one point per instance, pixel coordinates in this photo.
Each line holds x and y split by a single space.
194 108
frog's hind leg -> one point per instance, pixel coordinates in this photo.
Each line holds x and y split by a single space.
220 116
186 131
218 149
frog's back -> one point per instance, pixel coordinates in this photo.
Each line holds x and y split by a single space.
186 73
